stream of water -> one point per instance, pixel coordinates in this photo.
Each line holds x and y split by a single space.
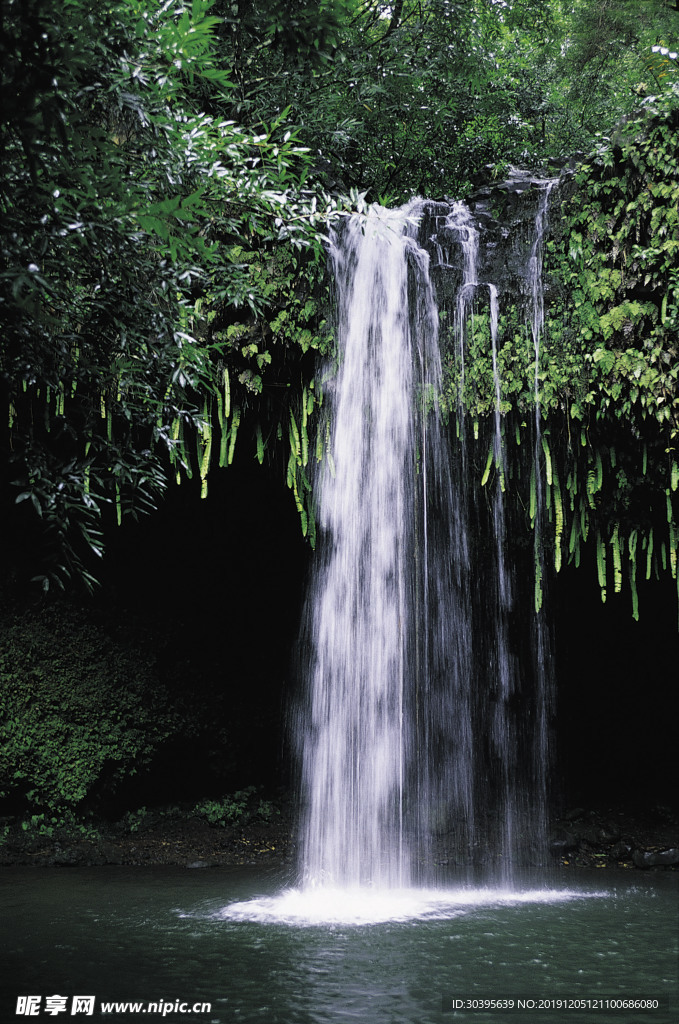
383 726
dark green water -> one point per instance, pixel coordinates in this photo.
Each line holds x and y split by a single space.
161 936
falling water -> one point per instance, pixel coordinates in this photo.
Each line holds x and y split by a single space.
408 729
382 752
492 776
541 641
460 227
537 318
505 683
355 748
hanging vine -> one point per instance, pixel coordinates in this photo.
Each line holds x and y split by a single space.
276 403
608 378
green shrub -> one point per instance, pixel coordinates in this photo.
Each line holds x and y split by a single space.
143 818
79 712
133 820
241 807
47 826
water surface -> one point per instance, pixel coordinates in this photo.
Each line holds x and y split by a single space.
170 934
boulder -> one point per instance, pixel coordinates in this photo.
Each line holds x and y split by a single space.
655 858
562 844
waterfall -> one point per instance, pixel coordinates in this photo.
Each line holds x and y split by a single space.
410 744
354 748
537 319
541 641
505 683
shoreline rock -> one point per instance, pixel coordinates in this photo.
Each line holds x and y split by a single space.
579 838
615 838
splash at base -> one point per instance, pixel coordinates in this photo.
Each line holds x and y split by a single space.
358 906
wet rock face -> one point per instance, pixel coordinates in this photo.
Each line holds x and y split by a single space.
504 217
563 844
616 838
655 858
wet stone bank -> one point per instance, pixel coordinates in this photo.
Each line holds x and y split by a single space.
603 838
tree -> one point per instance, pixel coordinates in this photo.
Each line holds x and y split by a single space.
608 60
125 213
416 97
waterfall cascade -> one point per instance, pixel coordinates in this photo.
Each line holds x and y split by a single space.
422 736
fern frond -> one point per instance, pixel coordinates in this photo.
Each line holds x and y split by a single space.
601 565
260 444
548 459
489 463
617 559
649 554
235 421
295 444
558 520
227 394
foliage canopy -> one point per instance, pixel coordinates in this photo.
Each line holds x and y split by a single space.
167 182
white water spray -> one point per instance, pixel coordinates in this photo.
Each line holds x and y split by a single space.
354 745
381 600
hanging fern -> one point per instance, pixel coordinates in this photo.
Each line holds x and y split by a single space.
617 559
558 519
632 549
489 463
601 565
260 444
233 433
